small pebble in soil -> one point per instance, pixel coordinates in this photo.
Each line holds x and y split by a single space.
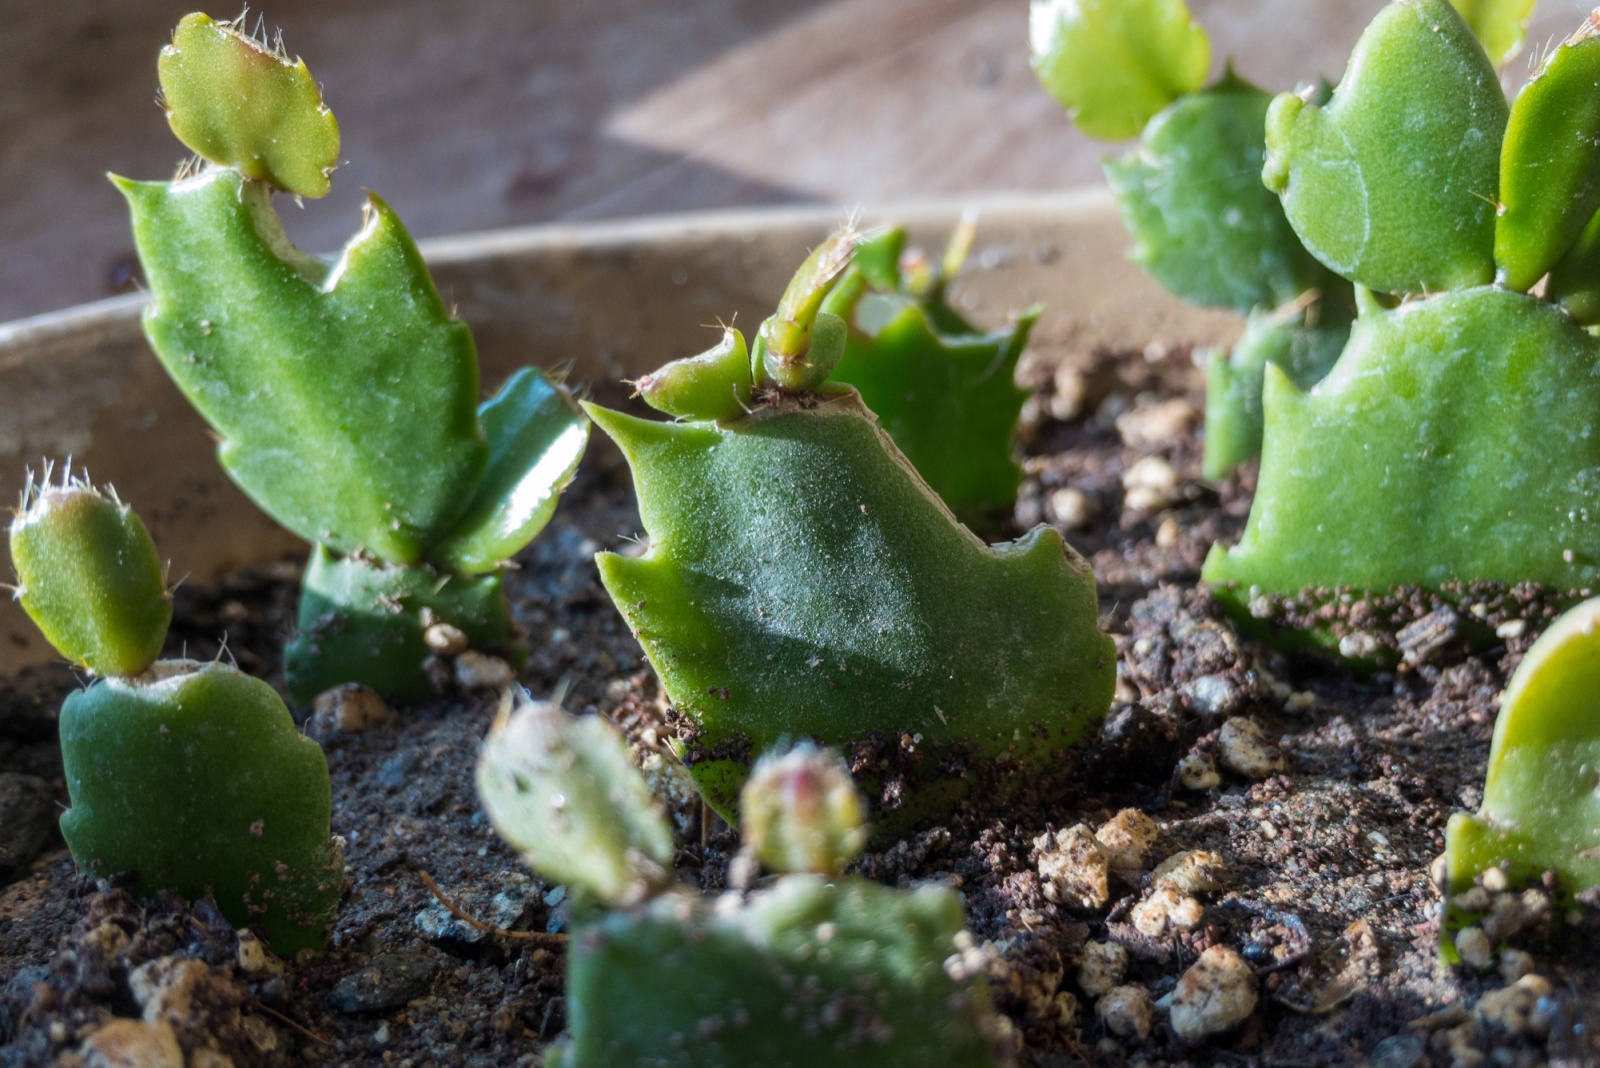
347 709
1073 509
1213 695
480 671
1166 910
1074 868
388 981
1155 425
1126 838
514 897
252 955
1193 871
1476 951
1198 772
1149 485
132 1044
1523 1008
1126 1011
27 812
1399 1051
1511 914
1245 750
1215 994
1515 963
1101 966
445 639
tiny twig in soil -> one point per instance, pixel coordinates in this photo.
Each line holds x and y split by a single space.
296 1024
489 928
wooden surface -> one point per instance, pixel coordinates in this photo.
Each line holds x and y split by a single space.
479 114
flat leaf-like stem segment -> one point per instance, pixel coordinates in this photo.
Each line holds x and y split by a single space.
948 397
1114 63
1303 339
536 437
1541 805
1453 441
1550 163
345 394
88 575
1203 225
240 104
564 792
1500 25
195 777
809 972
803 581
364 621
1393 183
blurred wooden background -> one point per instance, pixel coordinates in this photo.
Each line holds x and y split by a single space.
477 114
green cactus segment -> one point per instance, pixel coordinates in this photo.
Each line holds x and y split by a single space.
88 575
365 622
198 781
1203 224
1574 282
798 346
949 400
1550 163
563 790
1541 809
1394 468
1500 25
1393 183
345 394
716 384
1304 341
1113 64
241 104
536 437
803 581
846 974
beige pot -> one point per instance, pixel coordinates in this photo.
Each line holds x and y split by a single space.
610 300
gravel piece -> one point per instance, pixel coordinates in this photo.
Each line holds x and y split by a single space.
1155 425
1244 749
480 671
1101 966
1166 910
1194 871
1476 951
27 812
1073 509
1516 1008
388 981
1198 772
1218 992
1126 838
1126 1011
1399 1051
347 709
1511 914
126 1043
446 639
1149 485
1430 638
1074 868
1213 695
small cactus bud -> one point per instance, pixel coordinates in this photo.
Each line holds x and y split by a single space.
797 348
716 384
89 577
801 812
242 104
563 790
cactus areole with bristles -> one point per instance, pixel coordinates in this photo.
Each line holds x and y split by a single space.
191 777
803 581
345 394
811 969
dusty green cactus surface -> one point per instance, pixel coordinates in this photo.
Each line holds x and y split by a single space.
191 777
1540 811
1395 469
1393 182
1114 63
1452 441
802 581
345 394
944 390
89 577
241 103
1500 25
809 972
196 778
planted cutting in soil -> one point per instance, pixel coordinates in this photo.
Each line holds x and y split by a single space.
1313 799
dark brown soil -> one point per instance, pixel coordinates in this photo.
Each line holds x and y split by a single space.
1325 888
